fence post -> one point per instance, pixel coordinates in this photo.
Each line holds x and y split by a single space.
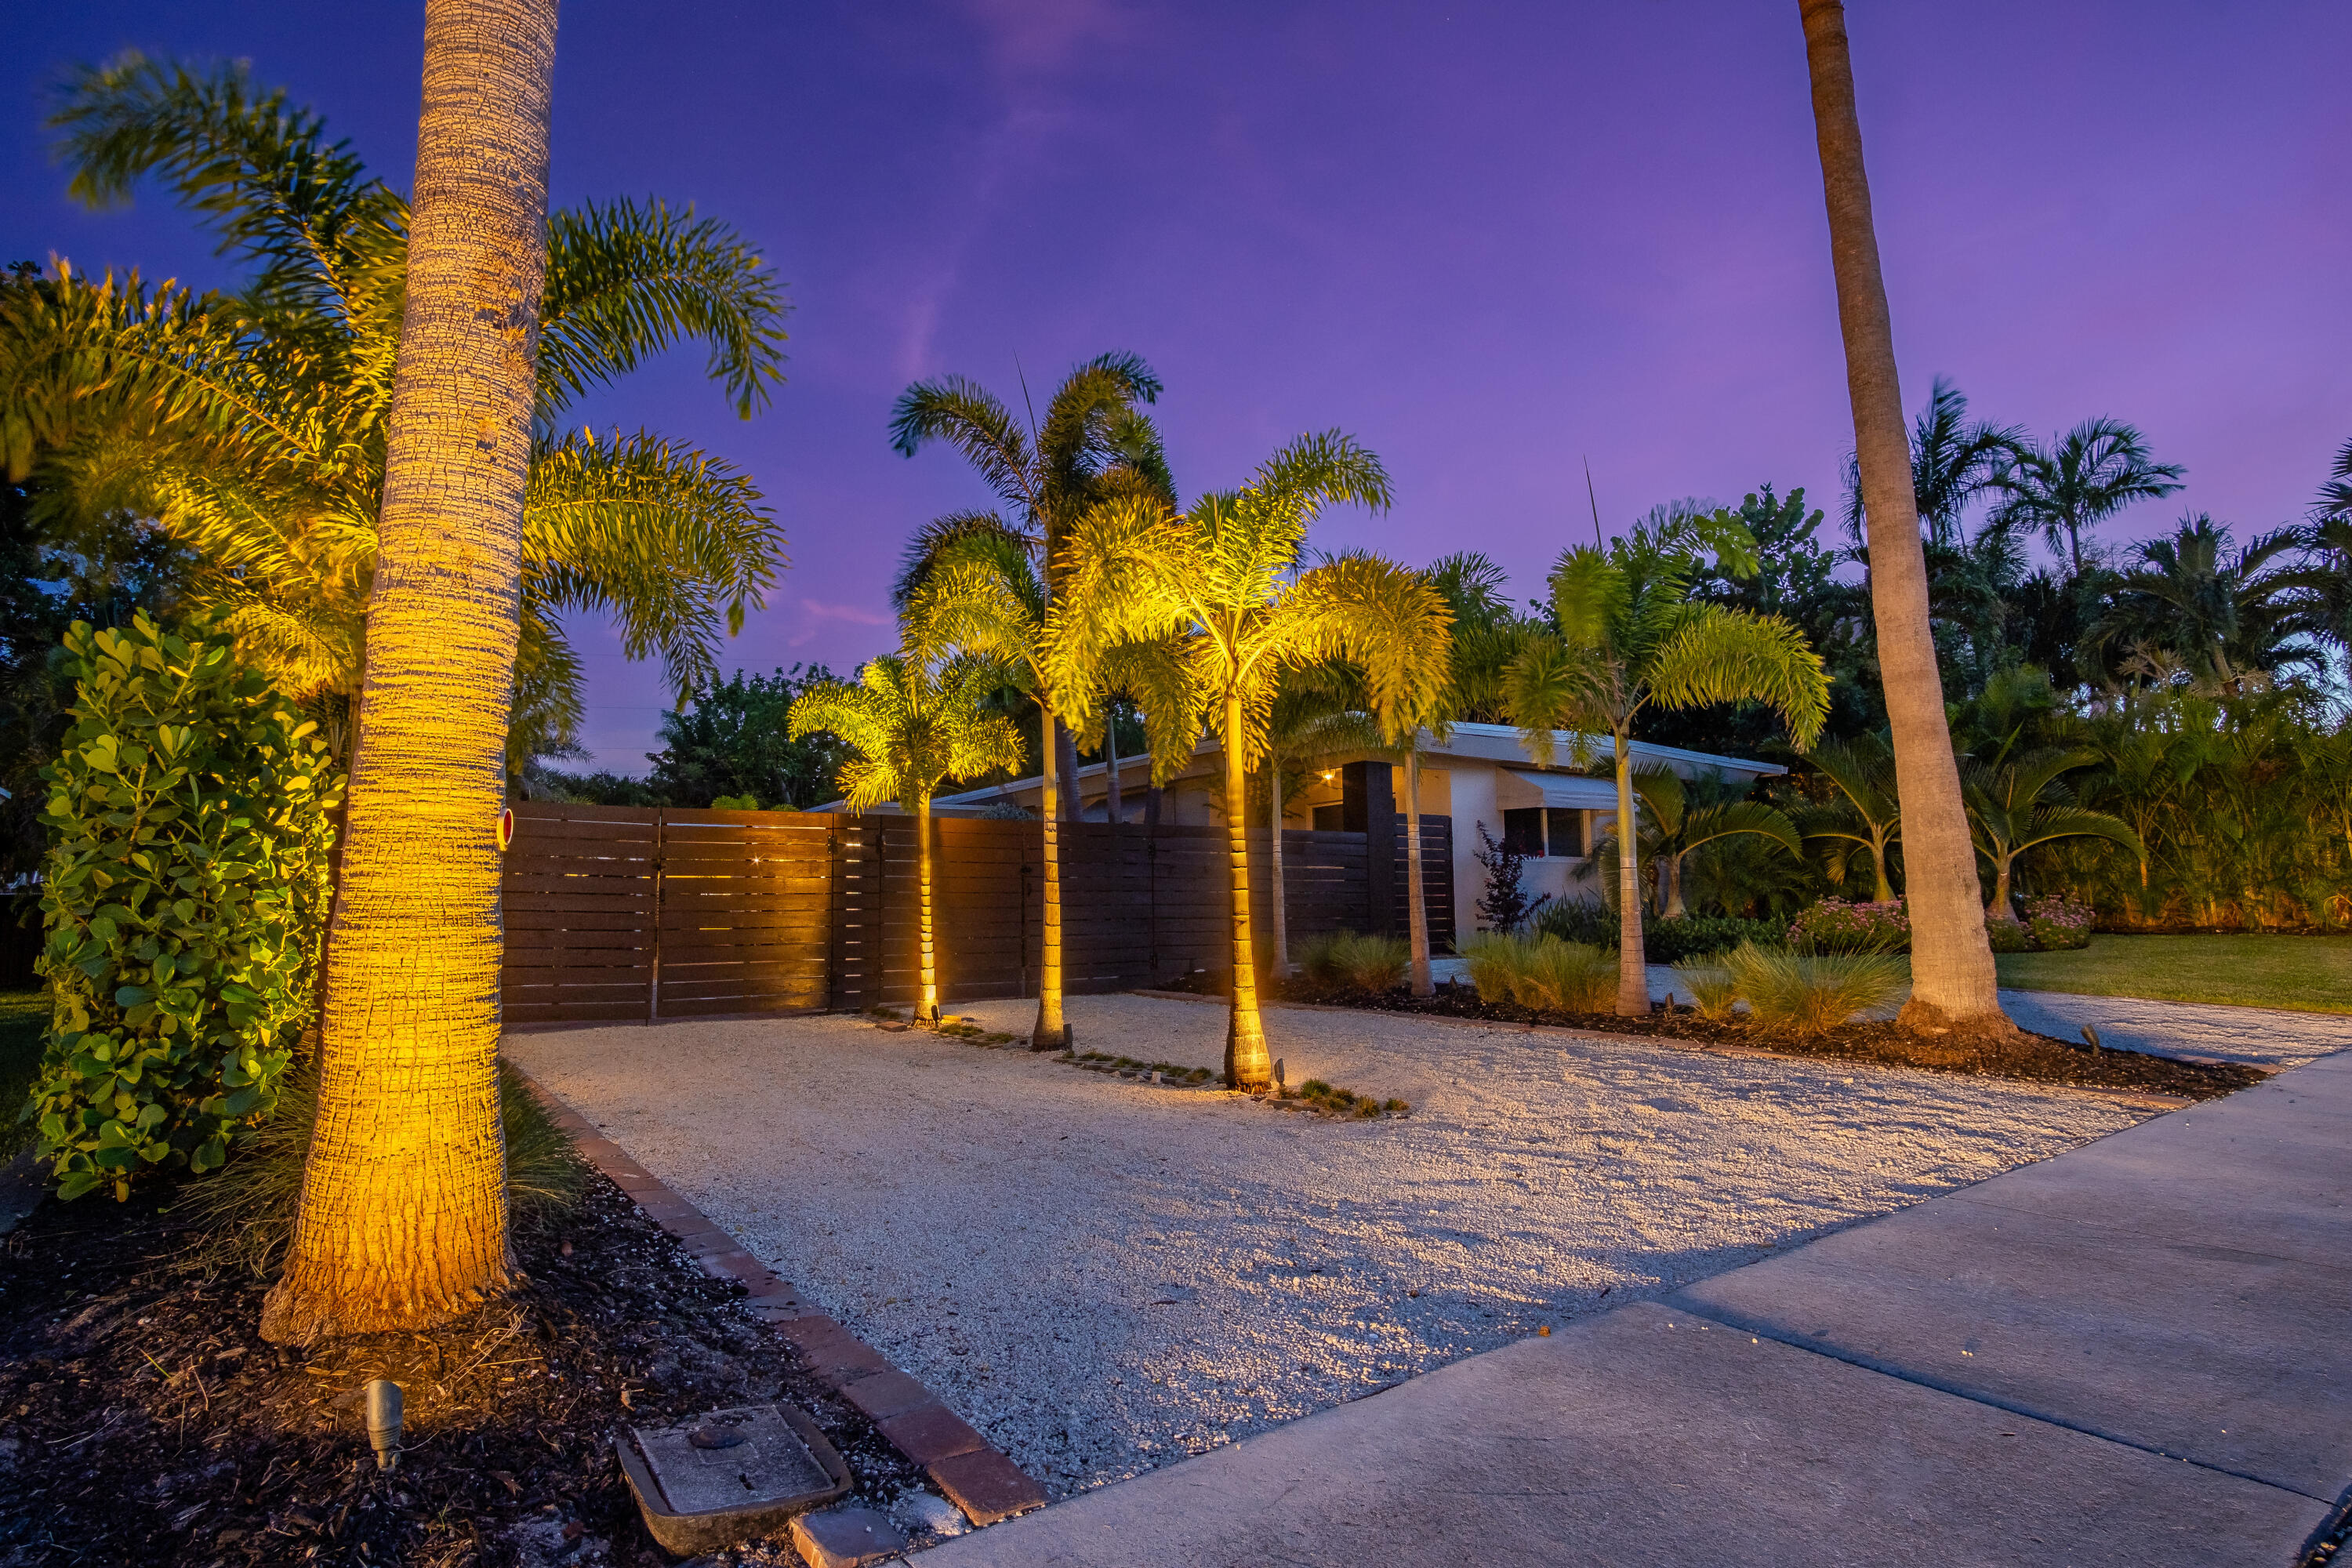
653 988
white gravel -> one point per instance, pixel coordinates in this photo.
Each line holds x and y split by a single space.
1104 1276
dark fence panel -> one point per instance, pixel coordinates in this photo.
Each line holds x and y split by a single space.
618 913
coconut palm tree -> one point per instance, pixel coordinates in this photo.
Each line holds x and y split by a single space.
1626 636
1863 773
402 1216
254 427
1686 817
2022 804
2083 478
1219 584
1953 982
1094 445
913 719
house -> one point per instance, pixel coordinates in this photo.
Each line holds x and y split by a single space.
1479 775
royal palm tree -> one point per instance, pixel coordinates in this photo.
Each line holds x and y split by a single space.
1095 444
1219 584
913 719
1626 636
1953 982
1863 773
402 1216
1686 817
2227 614
2022 804
253 427
2083 478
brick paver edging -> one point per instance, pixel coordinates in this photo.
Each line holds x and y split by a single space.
978 1479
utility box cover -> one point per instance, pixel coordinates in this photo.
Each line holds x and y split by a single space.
718 1480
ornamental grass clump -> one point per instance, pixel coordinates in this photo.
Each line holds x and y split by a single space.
1350 959
1813 993
184 894
1714 993
1542 972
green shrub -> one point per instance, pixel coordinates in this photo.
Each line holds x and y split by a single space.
1833 925
1580 919
185 889
1542 972
1345 958
2059 923
1810 993
1671 941
2009 936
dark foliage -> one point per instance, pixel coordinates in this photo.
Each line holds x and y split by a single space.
1505 906
732 741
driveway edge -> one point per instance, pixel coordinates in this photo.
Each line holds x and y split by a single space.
977 1477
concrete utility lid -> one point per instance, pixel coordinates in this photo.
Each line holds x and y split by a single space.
717 1479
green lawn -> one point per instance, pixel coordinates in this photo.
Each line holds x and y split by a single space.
23 1015
2306 974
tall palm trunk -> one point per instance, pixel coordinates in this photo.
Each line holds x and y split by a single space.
1248 1065
1953 983
1633 962
403 1217
1280 890
927 955
1670 891
1051 1032
1416 911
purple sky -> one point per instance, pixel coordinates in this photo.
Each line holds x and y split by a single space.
1488 241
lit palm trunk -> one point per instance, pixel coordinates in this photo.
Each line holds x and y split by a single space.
403 1219
1052 1028
1416 911
1247 1063
1953 983
1633 962
926 958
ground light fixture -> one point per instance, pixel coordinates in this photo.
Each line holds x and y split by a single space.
384 1421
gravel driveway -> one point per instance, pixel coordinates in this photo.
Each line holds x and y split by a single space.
1104 1276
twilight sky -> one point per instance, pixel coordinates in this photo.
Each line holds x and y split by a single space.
1490 240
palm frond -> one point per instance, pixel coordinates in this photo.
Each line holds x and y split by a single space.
1722 654
943 533
626 281
969 417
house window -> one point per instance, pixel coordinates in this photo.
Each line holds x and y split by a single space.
1327 817
1523 830
1567 832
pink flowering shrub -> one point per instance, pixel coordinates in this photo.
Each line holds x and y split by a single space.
2057 921
1832 925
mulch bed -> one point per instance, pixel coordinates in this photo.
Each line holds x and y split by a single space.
143 1421
2041 1058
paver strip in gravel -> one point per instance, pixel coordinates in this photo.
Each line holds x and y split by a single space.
1103 1276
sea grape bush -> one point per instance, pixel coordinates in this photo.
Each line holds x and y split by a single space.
1833 925
185 887
2058 922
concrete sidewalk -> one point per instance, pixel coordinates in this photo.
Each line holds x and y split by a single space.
2134 1354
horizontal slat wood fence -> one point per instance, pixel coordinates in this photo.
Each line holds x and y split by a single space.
616 913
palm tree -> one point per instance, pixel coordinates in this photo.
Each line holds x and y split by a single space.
1953 982
1863 773
2226 614
2021 805
912 719
254 427
2335 503
1626 636
1684 818
1219 584
1095 444
1955 461
402 1214
2085 476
